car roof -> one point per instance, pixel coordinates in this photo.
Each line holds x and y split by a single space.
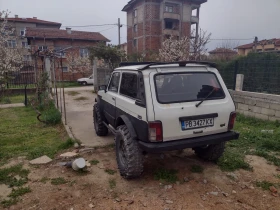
146 66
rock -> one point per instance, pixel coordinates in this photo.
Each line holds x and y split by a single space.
186 179
41 160
273 189
118 199
264 196
83 145
278 169
71 208
205 181
232 175
69 154
225 194
91 205
177 183
251 187
76 145
233 192
167 187
214 193
203 197
130 202
275 194
88 164
168 201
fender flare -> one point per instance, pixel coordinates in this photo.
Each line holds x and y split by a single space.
128 124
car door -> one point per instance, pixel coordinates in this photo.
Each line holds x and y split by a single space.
110 98
90 80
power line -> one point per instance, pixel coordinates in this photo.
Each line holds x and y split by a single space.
106 29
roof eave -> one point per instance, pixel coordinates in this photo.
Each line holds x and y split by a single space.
39 37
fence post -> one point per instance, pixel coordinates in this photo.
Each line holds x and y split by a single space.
235 74
239 82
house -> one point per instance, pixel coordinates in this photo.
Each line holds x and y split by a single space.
271 45
222 54
69 47
150 22
123 47
20 25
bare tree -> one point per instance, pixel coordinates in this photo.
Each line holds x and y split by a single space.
225 51
77 64
10 54
174 49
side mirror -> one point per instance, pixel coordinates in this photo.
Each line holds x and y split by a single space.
103 87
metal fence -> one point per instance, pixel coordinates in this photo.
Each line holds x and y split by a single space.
23 77
259 75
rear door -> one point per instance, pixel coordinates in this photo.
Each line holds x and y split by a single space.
177 94
110 98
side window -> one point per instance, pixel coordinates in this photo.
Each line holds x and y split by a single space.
129 85
114 83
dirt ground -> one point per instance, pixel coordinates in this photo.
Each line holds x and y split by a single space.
96 189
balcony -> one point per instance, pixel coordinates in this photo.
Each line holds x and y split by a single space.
170 15
194 19
171 32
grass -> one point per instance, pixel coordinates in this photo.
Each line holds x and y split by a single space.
251 142
13 99
7 176
73 93
166 175
81 98
265 185
14 196
197 169
94 162
68 84
110 171
44 180
58 181
23 135
112 183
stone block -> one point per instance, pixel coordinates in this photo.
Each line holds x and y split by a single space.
255 109
41 160
240 111
275 107
249 114
251 102
243 107
274 119
261 116
277 114
262 104
238 99
269 112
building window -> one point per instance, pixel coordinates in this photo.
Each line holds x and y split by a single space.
65 69
12 43
60 52
84 53
22 32
24 44
135 13
42 48
135 28
169 9
27 58
168 24
194 12
135 42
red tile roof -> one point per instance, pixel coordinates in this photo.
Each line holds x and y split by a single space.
222 50
276 42
34 20
48 33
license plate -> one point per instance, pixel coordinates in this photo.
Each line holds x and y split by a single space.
200 123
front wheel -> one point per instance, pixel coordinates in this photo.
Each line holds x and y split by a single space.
211 152
84 83
129 154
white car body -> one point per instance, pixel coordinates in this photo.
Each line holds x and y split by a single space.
86 81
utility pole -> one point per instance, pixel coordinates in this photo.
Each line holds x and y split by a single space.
119 29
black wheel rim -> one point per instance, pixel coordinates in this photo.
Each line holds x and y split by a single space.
122 153
95 121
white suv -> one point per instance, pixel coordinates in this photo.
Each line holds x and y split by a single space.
155 107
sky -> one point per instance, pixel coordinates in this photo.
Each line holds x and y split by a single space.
237 20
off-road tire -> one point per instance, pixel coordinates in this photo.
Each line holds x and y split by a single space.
84 83
210 153
100 128
129 154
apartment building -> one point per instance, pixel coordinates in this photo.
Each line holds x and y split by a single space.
149 22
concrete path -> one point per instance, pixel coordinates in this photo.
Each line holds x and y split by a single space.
79 116
11 105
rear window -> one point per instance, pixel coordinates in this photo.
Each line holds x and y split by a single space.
178 87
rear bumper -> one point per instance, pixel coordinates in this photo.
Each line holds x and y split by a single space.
188 143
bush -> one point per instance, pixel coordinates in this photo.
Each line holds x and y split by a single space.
51 116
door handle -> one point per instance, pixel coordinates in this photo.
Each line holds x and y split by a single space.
113 98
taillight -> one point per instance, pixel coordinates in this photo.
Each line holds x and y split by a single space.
231 122
155 131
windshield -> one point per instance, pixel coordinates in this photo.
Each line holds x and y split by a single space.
184 87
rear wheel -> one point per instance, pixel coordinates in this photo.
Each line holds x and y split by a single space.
129 155
211 152
84 83
100 128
